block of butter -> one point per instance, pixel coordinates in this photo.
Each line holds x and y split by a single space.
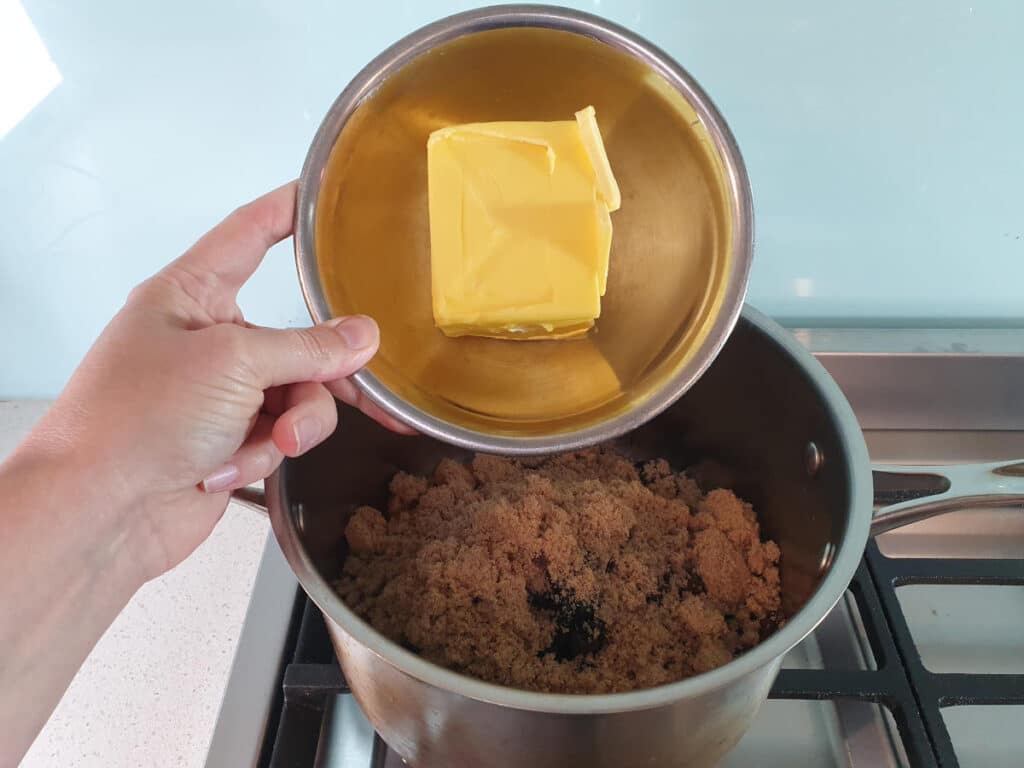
519 227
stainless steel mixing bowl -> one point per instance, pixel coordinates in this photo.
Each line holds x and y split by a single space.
680 256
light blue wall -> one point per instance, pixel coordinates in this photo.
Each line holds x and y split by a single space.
885 141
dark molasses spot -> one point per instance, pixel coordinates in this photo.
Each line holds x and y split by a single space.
769 625
578 630
692 583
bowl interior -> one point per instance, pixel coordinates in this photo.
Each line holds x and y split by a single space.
672 249
748 421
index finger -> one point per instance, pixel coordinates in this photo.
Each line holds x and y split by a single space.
226 256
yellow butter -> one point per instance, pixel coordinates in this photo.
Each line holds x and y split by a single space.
520 231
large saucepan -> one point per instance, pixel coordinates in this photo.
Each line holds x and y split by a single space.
767 410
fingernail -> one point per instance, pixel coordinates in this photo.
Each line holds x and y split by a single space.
221 479
358 332
307 431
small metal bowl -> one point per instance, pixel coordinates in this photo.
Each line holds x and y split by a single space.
681 248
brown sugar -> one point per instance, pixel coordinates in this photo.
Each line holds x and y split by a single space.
580 573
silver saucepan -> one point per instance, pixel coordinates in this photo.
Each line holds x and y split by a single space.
766 410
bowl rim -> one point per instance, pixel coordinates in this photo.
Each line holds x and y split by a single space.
841 563
609 33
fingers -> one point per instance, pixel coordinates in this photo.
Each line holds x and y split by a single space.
274 400
225 257
331 350
280 398
347 391
255 460
310 416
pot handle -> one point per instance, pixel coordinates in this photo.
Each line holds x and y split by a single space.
905 494
252 497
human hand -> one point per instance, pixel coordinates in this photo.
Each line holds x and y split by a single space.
181 401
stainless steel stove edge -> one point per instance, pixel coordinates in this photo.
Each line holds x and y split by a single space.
926 379
255 671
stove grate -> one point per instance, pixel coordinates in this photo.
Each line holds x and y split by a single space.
933 690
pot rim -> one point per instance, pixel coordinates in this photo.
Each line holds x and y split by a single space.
568 20
844 561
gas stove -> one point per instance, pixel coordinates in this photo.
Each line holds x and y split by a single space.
920 664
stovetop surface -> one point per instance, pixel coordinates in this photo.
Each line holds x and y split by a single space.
882 682
921 663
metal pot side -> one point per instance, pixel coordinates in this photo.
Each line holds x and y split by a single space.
756 412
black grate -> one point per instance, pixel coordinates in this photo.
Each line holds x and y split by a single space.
901 683
310 676
888 685
912 693
932 690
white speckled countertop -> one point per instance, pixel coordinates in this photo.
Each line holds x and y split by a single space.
150 691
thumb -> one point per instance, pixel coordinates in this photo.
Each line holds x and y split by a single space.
332 350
